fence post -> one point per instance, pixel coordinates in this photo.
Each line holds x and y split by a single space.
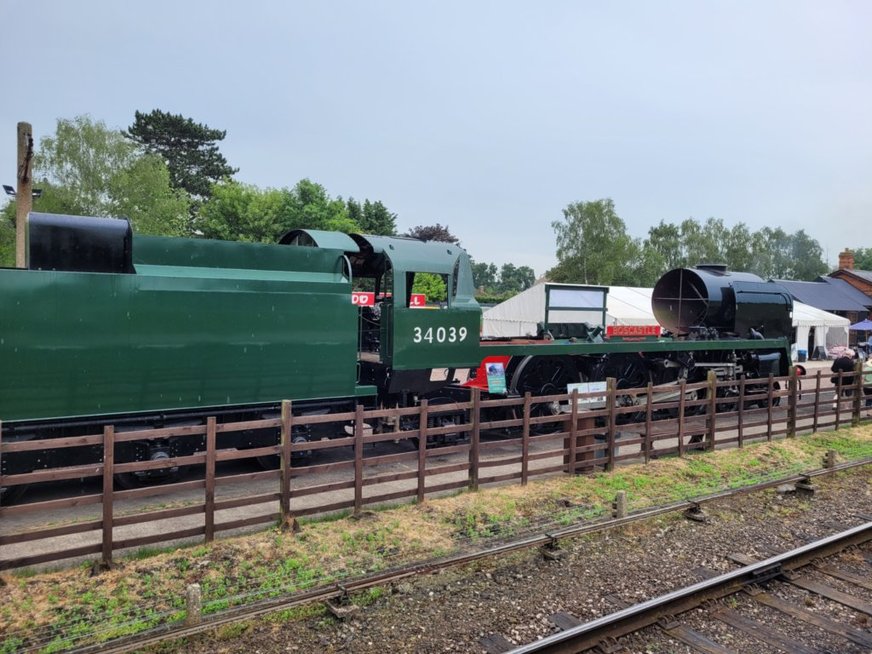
619 505
193 605
475 439
817 402
741 417
769 407
211 429
649 401
857 405
525 440
611 401
712 396
285 459
792 387
682 389
422 450
358 459
108 471
573 434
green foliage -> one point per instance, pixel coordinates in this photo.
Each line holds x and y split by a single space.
373 217
85 168
240 212
770 253
189 149
503 283
81 158
431 285
142 193
863 258
593 246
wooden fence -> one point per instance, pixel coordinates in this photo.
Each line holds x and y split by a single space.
632 425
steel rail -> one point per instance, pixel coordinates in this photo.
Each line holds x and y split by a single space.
335 590
590 634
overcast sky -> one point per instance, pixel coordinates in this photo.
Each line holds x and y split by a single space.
487 116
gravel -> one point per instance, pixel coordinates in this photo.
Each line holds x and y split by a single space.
450 611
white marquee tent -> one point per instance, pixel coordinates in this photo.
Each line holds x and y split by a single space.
627 305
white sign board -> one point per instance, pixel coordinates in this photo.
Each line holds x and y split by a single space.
593 402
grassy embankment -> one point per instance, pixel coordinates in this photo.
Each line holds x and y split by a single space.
70 607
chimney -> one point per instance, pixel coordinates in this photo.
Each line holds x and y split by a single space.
846 260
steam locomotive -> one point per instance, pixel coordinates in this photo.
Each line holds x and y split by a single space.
140 331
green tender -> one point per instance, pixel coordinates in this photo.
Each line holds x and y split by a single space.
201 324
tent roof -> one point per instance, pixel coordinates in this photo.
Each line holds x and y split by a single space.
805 315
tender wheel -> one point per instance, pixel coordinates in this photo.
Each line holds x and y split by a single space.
148 452
272 461
540 375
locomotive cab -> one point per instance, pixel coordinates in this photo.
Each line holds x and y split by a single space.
405 346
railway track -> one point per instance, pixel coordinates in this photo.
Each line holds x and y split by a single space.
336 591
760 581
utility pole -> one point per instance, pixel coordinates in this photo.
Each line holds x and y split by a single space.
24 193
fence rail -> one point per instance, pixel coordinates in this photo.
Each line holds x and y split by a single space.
634 424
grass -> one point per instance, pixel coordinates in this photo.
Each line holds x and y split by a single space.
147 588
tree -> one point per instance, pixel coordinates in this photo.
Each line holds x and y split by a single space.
433 233
863 258
240 212
485 276
431 285
788 256
373 217
86 168
593 246
189 149
514 280
80 160
142 193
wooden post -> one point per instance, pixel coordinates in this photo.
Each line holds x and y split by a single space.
358 460
525 440
24 191
649 402
857 404
830 459
712 410
422 450
573 434
741 417
193 605
475 439
611 401
769 408
108 471
792 387
682 389
286 458
211 429
817 401
838 400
